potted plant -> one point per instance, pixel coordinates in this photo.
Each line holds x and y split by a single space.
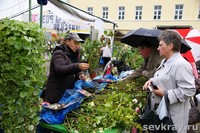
90 53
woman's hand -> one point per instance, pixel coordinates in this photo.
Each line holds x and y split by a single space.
84 66
158 92
147 84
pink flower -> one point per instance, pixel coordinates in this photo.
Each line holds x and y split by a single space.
137 109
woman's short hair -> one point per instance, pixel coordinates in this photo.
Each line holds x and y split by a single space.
171 36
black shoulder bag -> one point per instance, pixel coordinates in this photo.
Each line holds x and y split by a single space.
194 114
150 120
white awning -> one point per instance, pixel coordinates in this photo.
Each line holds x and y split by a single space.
59 8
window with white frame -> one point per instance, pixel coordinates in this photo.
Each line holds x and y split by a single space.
178 11
121 12
157 12
105 12
90 10
138 12
199 13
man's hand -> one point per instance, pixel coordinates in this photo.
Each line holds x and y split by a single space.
145 73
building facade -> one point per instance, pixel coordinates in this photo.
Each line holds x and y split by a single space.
133 14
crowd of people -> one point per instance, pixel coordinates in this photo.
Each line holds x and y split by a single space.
163 65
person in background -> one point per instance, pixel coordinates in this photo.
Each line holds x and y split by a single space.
106 53
152 60
108 68
174 79
64 68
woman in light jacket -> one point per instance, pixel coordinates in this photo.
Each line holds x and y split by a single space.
175 79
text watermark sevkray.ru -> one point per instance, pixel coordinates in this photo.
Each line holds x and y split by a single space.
168 127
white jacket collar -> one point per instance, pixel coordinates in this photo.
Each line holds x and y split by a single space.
169 63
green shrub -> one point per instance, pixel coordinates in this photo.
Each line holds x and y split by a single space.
22 75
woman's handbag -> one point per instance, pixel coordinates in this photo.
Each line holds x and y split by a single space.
197 84
150 120
194 113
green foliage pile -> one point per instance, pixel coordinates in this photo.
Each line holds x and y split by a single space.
114 107
22 75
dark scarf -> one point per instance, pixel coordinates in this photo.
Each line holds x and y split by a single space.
74 56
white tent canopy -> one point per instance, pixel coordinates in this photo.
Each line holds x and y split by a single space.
78 12
70 12
59 8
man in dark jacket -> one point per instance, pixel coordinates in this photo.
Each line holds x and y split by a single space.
64 68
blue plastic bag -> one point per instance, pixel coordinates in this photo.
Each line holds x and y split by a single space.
71 97
101 60
58 116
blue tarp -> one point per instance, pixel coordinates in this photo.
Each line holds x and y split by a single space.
73 98
58 116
